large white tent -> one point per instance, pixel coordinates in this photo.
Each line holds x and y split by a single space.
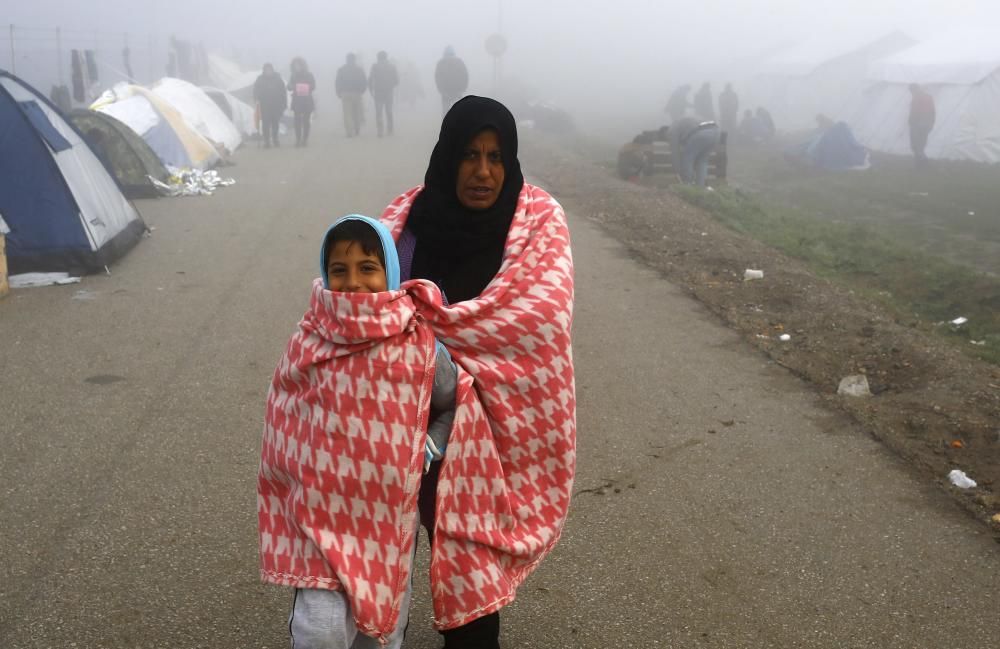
199 111
823 74
961 70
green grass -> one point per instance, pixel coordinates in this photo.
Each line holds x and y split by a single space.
869 258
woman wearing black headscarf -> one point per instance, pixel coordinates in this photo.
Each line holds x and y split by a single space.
498 250
459 222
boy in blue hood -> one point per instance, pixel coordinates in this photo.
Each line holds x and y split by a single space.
359 256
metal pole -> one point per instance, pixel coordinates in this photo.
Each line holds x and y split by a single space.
59 58
13 59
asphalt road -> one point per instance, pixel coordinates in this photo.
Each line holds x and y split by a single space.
718 504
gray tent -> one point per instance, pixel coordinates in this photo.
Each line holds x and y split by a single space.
126 155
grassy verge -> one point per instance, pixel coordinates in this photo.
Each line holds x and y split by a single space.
867 259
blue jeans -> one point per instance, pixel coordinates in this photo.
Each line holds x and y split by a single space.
696 151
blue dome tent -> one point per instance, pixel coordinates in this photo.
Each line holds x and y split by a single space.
64 211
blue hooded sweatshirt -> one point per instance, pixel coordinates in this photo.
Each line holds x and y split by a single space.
388 250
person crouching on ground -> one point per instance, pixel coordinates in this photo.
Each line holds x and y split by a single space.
691 143
344 444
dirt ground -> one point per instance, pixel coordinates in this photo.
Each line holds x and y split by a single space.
935 407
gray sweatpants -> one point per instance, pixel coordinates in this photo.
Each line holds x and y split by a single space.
321 619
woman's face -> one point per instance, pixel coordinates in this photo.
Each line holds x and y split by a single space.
480 172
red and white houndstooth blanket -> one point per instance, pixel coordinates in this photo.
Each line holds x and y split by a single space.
347 414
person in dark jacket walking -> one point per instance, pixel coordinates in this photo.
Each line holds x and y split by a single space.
452 78
382 82
272 100
302 83
351 84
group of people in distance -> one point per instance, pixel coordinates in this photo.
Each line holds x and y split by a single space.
692 139
271 94
410 395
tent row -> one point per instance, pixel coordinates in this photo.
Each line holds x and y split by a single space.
140 133
866 82
185 126
66 180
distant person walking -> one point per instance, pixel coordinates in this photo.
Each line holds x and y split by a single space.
922 117
452 78
691 144
271 98
351 85
704 105
302 83
729 109
678 103
382 82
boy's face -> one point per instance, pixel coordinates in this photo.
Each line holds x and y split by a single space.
349 269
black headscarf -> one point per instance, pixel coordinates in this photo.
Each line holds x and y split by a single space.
458 248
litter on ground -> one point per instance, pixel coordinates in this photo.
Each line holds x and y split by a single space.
31 280
855 385
960 480
192 182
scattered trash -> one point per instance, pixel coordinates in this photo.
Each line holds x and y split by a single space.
958 322
855 385
996 519
919 194
750 273
980 343
84 295
704 234
957 443
972 213
784 338
191 182
960 480
30 280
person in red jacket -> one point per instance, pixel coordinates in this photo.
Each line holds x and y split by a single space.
922 116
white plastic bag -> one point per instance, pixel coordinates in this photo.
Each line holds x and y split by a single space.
960 480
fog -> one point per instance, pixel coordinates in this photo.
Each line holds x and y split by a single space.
609 64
